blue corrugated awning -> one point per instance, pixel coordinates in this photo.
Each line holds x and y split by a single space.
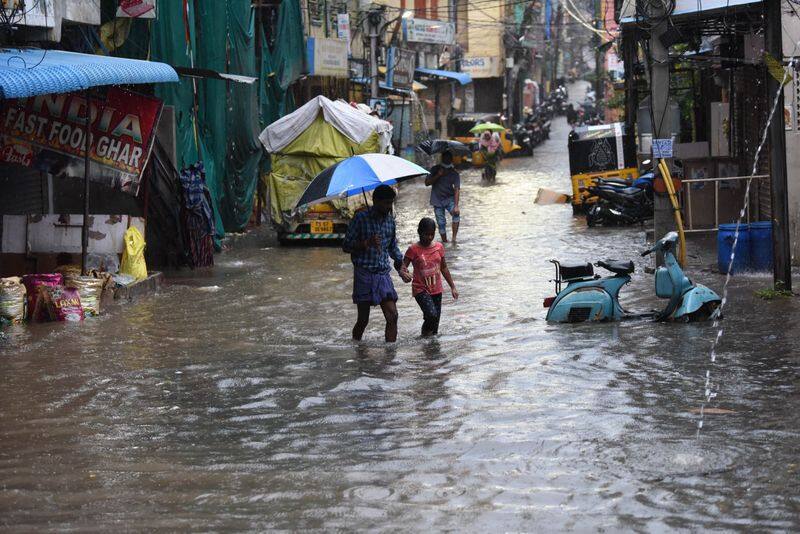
461 77
29 72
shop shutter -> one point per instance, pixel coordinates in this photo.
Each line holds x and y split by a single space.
23 191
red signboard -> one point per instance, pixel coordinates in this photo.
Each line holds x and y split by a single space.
48 131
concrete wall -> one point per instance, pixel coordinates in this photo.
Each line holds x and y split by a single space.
49 15
485 34
52 234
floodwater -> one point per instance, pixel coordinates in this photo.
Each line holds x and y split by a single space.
237 401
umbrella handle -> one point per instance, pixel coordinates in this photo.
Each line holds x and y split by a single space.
365 197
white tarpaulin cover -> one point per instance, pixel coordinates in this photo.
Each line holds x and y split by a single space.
354 124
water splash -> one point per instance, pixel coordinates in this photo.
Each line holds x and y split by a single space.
709 392
420 123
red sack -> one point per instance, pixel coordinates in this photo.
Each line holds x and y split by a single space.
32 284
63 303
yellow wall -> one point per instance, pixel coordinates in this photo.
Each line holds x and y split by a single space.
485 35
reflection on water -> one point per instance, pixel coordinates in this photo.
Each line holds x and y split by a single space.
237 401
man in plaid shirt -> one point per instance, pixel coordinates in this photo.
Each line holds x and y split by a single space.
371 241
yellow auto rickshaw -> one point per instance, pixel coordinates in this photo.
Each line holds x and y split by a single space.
459 126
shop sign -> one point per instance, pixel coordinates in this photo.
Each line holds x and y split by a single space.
343 28
47 132
429 31
400 71
137 9
662 148
481 67
327 57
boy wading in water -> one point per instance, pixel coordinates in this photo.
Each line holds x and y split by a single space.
445 184
371 241
429 264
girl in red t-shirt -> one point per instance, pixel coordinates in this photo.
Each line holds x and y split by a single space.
427 258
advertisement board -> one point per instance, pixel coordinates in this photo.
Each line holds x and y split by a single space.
47 132
343 29
327 57
429 31
400 68
482 67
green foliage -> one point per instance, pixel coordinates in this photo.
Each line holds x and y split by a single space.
774 293
617 100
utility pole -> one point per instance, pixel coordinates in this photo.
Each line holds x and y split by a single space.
629 46
374 19
663 218
557 40
782 267
599 56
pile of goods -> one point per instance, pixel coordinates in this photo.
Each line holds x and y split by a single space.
12 300
33 284
90 287
59 303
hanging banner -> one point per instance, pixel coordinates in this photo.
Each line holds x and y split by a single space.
327 57
429 31
343 29
400 68
47 132
137 9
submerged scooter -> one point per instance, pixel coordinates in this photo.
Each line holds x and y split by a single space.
590 297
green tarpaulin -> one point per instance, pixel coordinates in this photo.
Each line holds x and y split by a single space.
218 121
289 45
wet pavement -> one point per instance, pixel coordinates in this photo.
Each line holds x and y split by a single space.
237 401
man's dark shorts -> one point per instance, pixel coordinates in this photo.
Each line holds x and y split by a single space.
371 288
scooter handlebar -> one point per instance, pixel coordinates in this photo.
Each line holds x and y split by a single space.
647 252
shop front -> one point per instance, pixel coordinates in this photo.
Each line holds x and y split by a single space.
75 145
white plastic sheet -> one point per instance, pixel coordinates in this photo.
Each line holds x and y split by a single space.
354 124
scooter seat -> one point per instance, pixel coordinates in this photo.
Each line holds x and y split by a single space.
617 266
572 271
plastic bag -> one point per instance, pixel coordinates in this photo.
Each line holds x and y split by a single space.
60 303
133 255
32 284
12 299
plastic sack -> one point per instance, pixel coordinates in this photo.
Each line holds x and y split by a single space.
68 270
133 255
90 288
32 284
12 299
60 303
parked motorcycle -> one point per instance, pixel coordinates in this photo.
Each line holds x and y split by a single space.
523 138
620 203
589 297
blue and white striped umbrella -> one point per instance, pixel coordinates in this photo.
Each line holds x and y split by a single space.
356 175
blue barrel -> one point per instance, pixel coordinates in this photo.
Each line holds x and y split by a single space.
761 246
725 247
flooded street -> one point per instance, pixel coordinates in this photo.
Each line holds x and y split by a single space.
238 401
